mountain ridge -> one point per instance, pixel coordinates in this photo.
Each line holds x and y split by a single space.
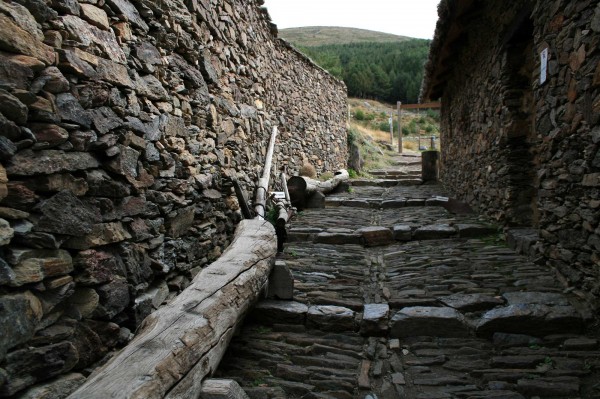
313 36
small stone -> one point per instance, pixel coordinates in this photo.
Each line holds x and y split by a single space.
101 234
281 282
375 319
28 366
70 110
95 16
132 15
28 163
402 232
398 379
12 108
97 267
375 236
114 298
48 135
280 312
7 149
331 318
20 316
125 163
65 214
6 232
33 265
53 80
471 302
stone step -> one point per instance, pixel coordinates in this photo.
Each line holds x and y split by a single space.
385 182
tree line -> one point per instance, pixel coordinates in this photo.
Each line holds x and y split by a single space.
383 71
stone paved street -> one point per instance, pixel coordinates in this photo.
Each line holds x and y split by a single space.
400 294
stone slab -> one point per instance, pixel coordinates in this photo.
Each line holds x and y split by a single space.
429 321
375 319
280 312
434 231
330 318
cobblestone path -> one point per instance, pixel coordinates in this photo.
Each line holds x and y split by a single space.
399 294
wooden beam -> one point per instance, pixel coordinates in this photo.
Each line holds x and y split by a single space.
263 183
181 343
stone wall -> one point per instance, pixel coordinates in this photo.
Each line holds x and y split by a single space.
525 153
120 123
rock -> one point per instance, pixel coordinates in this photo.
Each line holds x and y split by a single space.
277 312
6 232
338 238
532 297
131 14
505 340
12 108
17 40
95 16
19 318
330 318
48 135
85 300
68 6
58 388
375 319
434 231
393 203
530 319
9 129
150 130
65 214
101 184
402 232
429 321
192 76
105 119
34 265
114 298
3 181
147 54
7 275
581 343
178 222
375 236
101 234
51 297
70 110
97 267
86 34
471 302
59 182
25 367
281 282
7 149
53 81
28 163
125 163
114 73
156 295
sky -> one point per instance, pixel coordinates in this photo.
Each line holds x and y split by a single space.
413 18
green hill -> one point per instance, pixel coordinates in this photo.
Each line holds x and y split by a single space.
311 36
373 65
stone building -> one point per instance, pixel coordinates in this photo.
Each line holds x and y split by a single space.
120 124
520 88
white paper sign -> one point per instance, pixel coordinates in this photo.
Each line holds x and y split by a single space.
543 65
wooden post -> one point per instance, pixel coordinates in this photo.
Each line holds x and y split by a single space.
241 199
263 182
391 120
399 104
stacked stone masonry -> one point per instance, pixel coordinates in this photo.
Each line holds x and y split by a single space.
120 124
523 152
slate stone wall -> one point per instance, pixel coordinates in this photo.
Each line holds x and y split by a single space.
120 122
525 153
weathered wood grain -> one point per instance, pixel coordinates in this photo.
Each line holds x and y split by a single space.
183 341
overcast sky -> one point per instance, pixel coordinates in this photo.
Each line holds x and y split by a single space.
414 18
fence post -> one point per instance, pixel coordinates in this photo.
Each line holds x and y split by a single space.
399 105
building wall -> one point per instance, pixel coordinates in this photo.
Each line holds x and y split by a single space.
120 123
524 153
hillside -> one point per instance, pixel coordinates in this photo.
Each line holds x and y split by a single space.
312 36
373 65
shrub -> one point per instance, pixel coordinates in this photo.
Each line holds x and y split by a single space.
352 173
308 170
359 115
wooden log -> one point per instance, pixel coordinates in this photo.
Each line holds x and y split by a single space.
263 183
300 187
182 342
241 199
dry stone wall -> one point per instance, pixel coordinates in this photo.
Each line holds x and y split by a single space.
525 153
120 122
